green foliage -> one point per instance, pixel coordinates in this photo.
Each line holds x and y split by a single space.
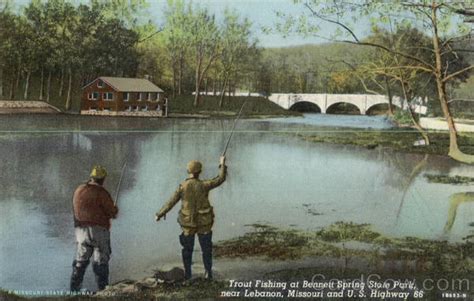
448 179
231 106
265 241
432 256
399 140
343 231
310 68
402 117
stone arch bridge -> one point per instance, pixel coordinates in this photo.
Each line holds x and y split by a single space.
362 101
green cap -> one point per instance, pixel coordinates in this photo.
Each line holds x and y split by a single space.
98 172
194 167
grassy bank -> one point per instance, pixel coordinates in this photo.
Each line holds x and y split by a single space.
397 139
209 106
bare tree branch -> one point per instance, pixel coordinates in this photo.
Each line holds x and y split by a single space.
460 99
453 75
151 35
332 21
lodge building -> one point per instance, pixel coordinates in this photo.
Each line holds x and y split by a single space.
121 96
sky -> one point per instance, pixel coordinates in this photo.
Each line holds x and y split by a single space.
262 13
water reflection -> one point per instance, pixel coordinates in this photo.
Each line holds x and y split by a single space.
455 201
271 177
417 169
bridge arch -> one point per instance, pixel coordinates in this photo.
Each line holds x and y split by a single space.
344 108
305 106
379 108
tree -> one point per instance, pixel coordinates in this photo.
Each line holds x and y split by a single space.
205 46
39 16
236 47
429 15
7 30
129 12
178 39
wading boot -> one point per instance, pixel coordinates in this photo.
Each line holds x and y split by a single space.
78 270
205 240
101 272
187 241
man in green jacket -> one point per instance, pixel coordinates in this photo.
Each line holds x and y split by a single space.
196 215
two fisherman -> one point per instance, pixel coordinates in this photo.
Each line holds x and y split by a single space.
94 208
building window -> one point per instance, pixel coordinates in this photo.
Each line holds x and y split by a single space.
93 96
141 96
100 83
125 96
157 96
145 108
108 96
128 109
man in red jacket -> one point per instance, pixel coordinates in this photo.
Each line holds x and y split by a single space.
93 208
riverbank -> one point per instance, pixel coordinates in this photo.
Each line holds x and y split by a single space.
343 250
179 107
399 139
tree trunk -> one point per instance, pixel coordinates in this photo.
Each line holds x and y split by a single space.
12 90
17 80
1 82
61 83
214 84
41 84
27 85
180 76
69 90
197 96
48 87
224 86
408 96
197 92
454 151
418 126
390 98
174 80
201 72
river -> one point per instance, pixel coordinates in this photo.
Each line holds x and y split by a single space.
274 177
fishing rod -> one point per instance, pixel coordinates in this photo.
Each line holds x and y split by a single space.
233 128
117 191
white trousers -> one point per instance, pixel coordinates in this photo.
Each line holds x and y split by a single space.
93 240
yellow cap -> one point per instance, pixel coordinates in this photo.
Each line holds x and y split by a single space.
98 172
194 167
